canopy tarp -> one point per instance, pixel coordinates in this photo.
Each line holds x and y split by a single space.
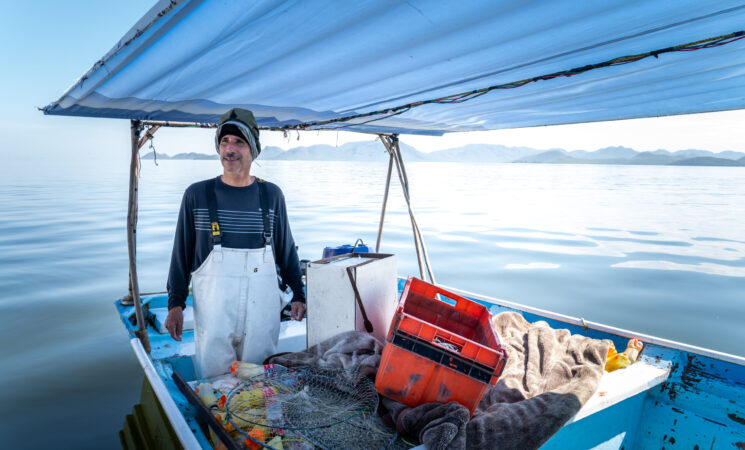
305 61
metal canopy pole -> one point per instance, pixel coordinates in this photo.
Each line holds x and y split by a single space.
167 123
391 144
402 173
385 195
141 333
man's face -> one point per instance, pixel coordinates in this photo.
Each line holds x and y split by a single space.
235 155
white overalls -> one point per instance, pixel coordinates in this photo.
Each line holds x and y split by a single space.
237 302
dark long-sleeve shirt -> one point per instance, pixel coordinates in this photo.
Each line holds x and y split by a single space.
241 224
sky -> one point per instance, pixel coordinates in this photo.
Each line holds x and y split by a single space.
46 45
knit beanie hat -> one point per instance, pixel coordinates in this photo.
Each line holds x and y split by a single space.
239 122
229 128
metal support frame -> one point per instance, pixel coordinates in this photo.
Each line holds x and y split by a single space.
385 200
136 128
391 144
389 141
167 123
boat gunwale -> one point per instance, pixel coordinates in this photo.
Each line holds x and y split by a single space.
675 345
175 416
580 322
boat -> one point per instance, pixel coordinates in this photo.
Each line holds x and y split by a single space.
430 68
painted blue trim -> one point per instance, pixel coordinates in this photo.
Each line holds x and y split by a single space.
612 428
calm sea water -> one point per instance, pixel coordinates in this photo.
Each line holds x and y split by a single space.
658 250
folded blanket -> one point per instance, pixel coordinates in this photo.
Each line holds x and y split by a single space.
549 375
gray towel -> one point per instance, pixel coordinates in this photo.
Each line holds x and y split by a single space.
354 350
549 375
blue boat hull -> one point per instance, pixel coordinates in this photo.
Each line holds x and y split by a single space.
675 396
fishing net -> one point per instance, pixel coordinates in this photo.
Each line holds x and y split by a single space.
365 431
310 407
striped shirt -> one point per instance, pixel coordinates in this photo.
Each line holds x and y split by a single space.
240 222
241 226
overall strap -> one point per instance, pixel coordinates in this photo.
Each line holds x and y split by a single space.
263 201
212 205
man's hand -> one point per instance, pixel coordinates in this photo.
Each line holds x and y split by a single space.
297 310
175 322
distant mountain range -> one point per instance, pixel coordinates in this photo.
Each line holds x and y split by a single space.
374 151
191 155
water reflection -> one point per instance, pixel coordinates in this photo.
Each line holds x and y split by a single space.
623 245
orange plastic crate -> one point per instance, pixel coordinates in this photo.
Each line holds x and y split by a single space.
437 352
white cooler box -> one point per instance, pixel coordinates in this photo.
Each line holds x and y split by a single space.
332 306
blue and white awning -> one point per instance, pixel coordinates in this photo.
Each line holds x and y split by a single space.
302 61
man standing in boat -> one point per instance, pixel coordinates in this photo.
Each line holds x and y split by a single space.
231 232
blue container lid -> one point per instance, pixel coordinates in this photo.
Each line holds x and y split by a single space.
358 247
